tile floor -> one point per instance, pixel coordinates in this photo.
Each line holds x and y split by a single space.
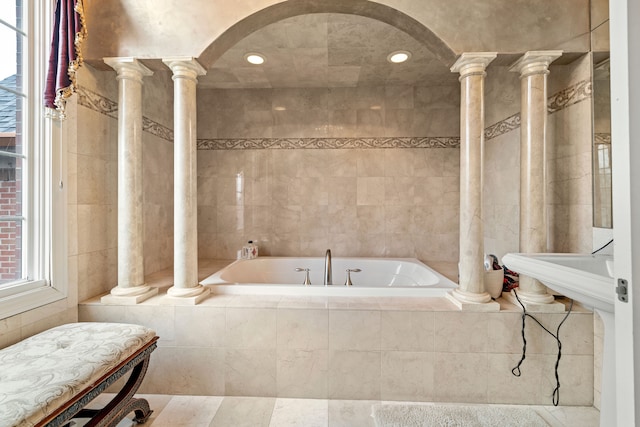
230 411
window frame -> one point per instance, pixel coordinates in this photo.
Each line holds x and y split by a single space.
44 208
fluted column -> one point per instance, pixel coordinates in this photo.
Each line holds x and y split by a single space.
131 288
471 293
533 68
185 224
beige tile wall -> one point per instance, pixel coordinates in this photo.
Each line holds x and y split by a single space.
329 112
569 209
569 174
423 350
94 218
569 171
359 202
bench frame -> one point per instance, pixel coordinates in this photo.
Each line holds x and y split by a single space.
122 404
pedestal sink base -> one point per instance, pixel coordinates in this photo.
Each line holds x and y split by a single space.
608 388
586 279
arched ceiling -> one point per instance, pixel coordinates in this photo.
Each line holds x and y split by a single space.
326 50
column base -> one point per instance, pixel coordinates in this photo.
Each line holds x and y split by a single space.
129 296
185 296
535 303
471 301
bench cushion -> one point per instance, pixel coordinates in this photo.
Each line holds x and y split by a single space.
41 373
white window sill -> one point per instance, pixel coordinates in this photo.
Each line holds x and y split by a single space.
29 300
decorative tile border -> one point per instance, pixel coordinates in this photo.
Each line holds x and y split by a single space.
97 102
572 95
157 129
569 96
327 143
502 127
103 105
575 93
602 138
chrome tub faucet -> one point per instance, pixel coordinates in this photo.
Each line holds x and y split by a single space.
328 280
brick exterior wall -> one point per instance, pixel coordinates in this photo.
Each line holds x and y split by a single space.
10 232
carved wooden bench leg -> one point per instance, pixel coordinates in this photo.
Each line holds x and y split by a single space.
123 403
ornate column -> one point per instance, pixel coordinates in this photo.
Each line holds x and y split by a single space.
131 288
471 293
185 287
533 68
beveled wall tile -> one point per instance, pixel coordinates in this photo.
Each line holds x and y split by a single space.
461 377
370 191
461 332
407 330
370 163
91 180
504 387
354 374
93 274
342 220
371 219
398 219
250 372
504 332
242 324
199 371
200 326
407 376
302 373
399 191
576 378
354 330
303 329
160 318
342 191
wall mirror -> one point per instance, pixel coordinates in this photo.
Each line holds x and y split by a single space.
602 205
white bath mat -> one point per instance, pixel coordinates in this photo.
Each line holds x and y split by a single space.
397 415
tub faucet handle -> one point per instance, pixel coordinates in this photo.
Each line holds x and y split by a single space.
349 271
307 281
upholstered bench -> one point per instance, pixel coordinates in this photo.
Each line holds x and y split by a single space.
48 379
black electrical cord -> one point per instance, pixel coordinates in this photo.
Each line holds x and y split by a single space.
602 247
516 371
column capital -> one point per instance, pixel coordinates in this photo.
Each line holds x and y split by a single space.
128 68
473 63
184 67
535 62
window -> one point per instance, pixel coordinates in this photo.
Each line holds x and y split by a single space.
29 203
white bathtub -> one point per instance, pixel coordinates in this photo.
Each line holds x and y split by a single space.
379 277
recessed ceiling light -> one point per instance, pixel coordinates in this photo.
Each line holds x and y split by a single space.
399 56
254 58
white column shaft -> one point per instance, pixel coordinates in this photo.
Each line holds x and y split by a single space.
185 226
130 187
471 67
533 68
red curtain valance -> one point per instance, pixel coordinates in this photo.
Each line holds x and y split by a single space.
69 31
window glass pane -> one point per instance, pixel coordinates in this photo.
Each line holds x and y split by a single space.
11 105
11 42
10 226
11 180
10 251
11 12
